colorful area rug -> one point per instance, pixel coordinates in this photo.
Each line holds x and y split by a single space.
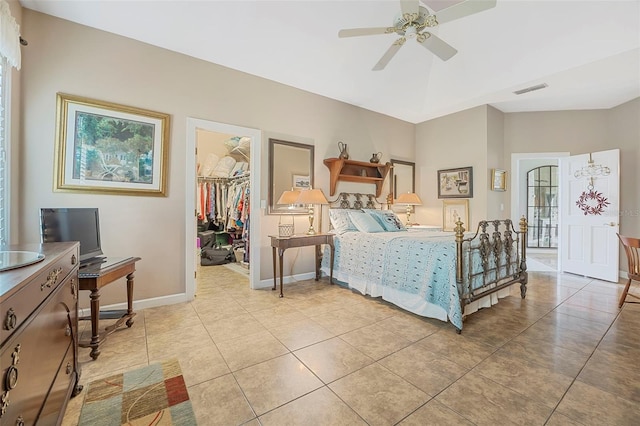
151 395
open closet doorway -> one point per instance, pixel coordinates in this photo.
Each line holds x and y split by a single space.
531 198
223 191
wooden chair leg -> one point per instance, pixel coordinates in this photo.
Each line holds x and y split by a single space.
624 294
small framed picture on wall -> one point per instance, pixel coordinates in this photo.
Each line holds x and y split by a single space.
498 180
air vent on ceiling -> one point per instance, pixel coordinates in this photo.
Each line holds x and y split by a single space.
531 89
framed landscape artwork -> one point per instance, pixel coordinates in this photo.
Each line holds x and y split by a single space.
455 183
110 148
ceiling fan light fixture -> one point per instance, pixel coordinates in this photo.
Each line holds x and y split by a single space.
410 33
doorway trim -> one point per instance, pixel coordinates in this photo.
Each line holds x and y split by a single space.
516 195
193 124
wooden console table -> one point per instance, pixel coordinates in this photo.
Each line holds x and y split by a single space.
283 243
95 276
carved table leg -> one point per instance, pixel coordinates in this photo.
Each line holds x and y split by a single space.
95 315
280 256
273 256
130 313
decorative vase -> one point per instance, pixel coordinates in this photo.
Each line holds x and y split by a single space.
375 158
344 155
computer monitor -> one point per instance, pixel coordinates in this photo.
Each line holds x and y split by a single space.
72 224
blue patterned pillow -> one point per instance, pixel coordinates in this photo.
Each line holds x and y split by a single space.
340 221
365 222
388 219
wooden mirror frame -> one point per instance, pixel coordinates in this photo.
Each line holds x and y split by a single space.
284 169
393 186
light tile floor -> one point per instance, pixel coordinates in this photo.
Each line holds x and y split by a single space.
324 355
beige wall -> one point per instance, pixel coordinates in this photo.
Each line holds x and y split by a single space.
456 140
70 58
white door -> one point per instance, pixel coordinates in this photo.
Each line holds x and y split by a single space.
589 209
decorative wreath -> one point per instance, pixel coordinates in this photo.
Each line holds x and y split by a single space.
592 202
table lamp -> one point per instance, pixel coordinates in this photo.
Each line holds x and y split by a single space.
410 199
311 197
289 198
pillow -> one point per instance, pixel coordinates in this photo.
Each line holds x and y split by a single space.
388 219
340 221
365 222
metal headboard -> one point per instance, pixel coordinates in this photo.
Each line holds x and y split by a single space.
355 201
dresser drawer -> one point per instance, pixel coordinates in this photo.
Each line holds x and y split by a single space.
56 402
17 307
33 354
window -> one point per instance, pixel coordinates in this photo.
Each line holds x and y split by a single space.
542 206
4 153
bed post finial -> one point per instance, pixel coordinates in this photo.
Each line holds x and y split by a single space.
459 230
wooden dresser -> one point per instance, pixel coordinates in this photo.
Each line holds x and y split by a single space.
38 336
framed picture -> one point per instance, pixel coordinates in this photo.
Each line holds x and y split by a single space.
452 211
110 148
498 180
301 182
455 183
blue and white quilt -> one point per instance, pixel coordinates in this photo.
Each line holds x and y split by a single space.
413 270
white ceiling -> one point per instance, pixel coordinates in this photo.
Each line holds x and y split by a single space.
588 52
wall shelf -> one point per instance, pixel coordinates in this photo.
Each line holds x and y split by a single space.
356 171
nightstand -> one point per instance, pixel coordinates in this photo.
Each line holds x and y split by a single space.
283 243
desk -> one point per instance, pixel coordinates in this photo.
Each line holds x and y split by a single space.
283 243
93 278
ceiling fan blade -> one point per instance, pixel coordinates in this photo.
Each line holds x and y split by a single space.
356 32
389 54
436 45
409 6
463 9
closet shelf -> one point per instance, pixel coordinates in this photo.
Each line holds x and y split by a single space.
356 171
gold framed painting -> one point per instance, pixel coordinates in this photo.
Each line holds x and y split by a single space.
498 180
454 210
102 147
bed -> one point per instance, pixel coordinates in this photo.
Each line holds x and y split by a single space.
443 275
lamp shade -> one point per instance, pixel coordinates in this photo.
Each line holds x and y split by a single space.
312 196
289 197
409 198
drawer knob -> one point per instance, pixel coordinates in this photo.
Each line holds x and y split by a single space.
67 331
11 320
11 378
20 421
68 368
73 288
74 260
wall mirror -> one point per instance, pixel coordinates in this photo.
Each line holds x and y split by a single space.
290 167
403 177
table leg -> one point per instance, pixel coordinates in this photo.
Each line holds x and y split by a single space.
318 260
273 256
333 251
130 313
280 256
95 316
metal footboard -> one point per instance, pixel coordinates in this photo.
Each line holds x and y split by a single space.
490 260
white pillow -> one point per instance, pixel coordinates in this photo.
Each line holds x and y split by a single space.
340 221
365 222
388 219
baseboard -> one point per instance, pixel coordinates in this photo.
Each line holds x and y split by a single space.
141 304
287 280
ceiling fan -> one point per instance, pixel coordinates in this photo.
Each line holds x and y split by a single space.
411 23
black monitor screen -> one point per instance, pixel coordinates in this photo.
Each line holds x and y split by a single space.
72 224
